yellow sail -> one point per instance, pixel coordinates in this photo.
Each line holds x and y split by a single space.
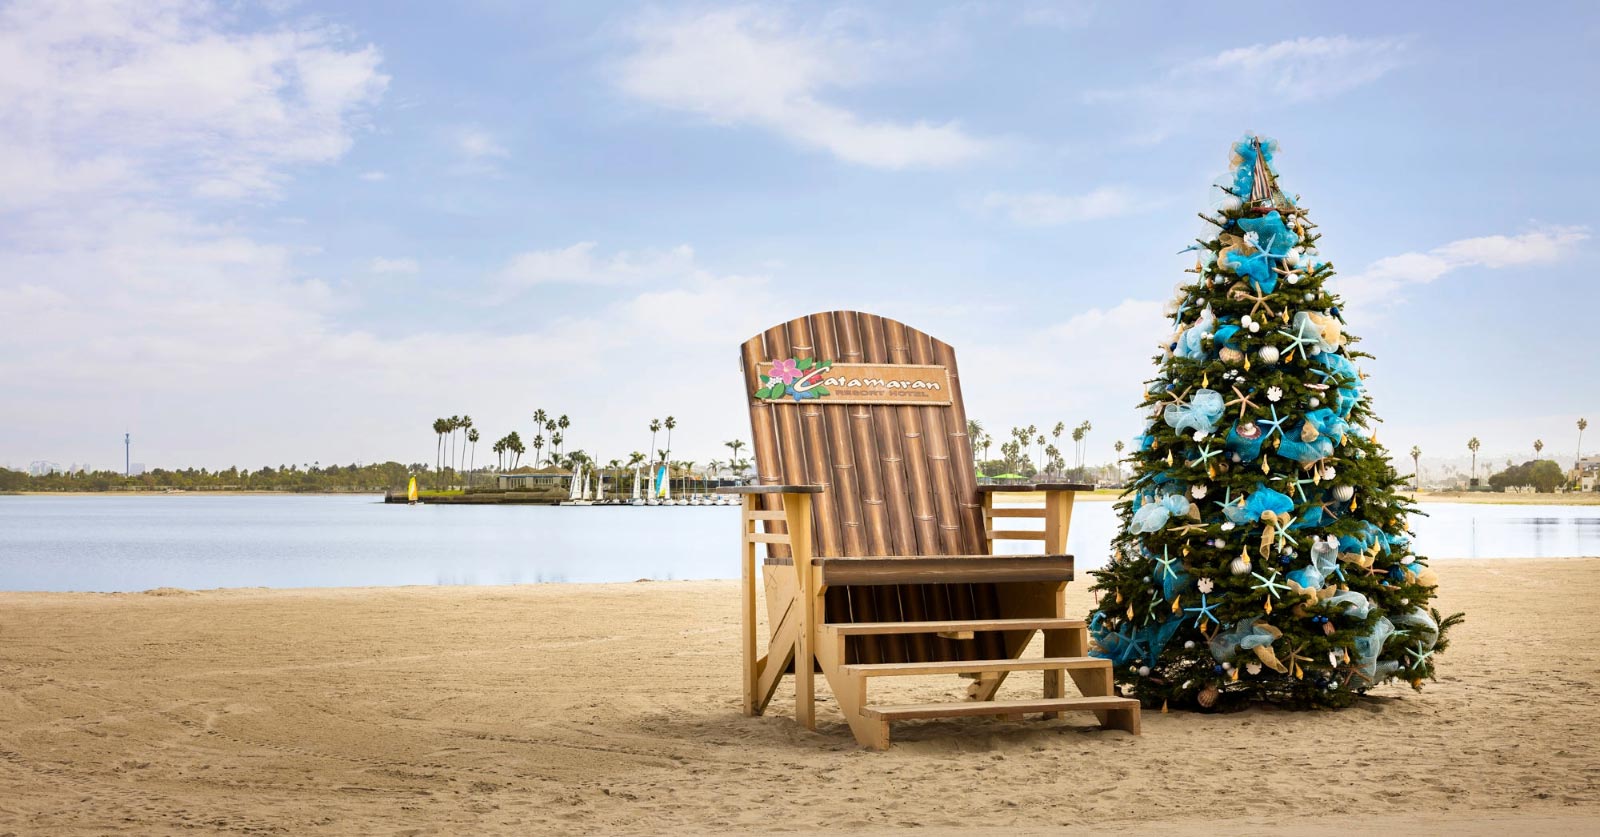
411 491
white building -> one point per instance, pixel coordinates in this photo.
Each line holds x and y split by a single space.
1588 473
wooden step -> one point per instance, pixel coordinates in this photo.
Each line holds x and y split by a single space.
997 707
962 666
955 625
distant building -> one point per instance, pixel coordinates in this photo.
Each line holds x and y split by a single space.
528 478
1588 473
42 468
136 469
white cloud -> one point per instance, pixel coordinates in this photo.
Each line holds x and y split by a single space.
105 99
1051 209
402 265
1287 72
476 143
374 176
1385 280
1057 14
578 265
744 67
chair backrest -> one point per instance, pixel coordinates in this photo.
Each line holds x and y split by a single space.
870 409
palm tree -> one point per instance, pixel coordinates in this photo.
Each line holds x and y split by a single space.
635 459
455 424
1118 446
555 447
655 426
1538 448
1416 468
734 446
1577 461
539 418
514 444
687 466
974 436
538 447
466 424
669 424
499 450
439 429
1039 445
1472 445
712 468
472 437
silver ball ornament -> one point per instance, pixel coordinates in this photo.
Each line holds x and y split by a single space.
1344 493
1269 355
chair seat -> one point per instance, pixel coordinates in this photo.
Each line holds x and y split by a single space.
943 569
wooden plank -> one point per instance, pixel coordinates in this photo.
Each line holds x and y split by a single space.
1016 535
762 537
918 477
814 443
763 439
936 447
1058 520
979 666
911 602
762 514
908 712
747 616
840 449
965 600
1039 624
961 451
944 570
879 602
1013 512
799 509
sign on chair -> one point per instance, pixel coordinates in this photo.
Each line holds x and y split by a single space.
854 383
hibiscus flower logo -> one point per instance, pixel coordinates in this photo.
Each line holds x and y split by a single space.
797 378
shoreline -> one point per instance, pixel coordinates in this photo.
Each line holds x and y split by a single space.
577 586
1584 498
534 709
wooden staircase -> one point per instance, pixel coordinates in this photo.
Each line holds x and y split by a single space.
1091 675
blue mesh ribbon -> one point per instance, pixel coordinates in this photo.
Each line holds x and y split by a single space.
1247 449
1152 517
1200 414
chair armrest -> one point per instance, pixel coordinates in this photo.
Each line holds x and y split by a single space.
1042 486
769 489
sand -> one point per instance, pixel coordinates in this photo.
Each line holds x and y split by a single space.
614 709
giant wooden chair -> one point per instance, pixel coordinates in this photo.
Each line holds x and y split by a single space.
879 541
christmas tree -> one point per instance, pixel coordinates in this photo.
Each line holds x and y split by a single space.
1263 553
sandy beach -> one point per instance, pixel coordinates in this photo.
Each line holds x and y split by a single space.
614 709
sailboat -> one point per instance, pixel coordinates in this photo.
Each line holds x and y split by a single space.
575 496
411 492
637 499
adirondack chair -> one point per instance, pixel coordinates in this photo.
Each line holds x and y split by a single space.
879 541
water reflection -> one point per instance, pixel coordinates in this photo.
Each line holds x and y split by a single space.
135 543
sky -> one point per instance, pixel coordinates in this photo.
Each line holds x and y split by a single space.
290 232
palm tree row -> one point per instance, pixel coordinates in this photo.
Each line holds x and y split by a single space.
447 457
1029 447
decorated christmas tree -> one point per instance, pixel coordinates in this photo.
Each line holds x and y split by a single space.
1263 553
